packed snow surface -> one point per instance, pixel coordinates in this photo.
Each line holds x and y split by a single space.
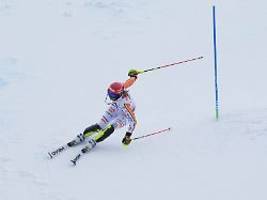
57 58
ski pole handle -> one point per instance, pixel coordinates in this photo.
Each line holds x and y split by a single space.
168 65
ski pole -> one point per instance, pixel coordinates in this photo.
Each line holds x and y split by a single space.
169 65
151 134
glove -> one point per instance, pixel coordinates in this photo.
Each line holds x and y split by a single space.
133 73
127 138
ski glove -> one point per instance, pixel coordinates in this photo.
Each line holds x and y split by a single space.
133 73
127 138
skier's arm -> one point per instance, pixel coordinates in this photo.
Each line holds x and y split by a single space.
129 82
132 119
131 125
133 76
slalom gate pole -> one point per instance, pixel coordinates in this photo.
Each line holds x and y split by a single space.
215 63
169 65
151 134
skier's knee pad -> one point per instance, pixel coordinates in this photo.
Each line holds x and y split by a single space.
102 135
91 129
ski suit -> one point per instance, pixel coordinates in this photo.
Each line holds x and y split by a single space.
119 114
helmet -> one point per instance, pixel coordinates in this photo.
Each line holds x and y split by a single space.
115 90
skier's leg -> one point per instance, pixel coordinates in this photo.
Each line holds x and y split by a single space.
100 136
106 125
90 145
116 123
81 137
104 128
103 134
108 117
77 140
91 130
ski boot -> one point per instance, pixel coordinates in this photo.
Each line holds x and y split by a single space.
90 145
79 139
87 133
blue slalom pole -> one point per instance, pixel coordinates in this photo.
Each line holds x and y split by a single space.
215 63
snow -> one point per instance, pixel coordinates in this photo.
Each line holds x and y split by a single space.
57 58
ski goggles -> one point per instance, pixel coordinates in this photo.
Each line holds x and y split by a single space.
113 96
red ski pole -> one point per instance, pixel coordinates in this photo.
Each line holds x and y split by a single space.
151 134
169 65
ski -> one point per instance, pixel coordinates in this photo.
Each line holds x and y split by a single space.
83 151
56 152
78 140
74 160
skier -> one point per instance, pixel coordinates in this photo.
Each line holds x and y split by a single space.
119 114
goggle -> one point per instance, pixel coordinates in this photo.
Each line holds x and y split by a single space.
113 96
